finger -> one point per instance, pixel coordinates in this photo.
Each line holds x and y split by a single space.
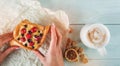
53 38
60 56
59 38
7 52
40 55
2 42
7 35
5 38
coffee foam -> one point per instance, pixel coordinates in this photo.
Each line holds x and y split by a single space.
95 35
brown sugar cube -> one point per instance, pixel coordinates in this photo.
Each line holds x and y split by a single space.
80 50
68 40
84 60
76 48
74 43
68 44
70 30
81 56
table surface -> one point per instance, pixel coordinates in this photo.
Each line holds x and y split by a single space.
82 12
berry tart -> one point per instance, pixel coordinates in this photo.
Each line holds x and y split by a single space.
29 35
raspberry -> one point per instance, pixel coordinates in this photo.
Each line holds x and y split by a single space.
28 36
37 38
23 30
23 39
34 29
31 43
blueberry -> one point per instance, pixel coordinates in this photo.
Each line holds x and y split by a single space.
29 32
25 44
35 36
18 38
38 31
33 47
38 42
25 26
22 34
41 34
29 40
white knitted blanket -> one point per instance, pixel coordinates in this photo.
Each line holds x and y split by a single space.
13 11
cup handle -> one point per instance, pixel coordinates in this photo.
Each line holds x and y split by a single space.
102 51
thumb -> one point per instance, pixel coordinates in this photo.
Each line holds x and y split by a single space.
7 52
40 55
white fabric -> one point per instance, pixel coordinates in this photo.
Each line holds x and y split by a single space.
13 11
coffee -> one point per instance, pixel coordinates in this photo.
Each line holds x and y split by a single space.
95 36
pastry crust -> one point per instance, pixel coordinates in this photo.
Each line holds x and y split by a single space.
16 33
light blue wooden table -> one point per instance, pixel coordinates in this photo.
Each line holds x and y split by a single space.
82 12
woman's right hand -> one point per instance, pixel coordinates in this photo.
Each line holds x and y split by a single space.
54 55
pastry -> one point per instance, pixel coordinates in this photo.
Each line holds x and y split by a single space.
71 55
29 35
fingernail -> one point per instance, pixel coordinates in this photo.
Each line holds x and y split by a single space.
53 24
17 48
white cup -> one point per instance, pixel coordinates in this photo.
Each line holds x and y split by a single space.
95 36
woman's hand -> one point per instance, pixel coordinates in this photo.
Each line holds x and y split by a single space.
4 39
54 55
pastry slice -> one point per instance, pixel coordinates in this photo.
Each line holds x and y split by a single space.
29 35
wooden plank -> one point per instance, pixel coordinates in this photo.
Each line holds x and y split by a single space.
87 11
113 48
96 63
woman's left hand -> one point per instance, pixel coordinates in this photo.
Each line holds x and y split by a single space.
4 39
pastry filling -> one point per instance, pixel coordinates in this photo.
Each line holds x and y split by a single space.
29 36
